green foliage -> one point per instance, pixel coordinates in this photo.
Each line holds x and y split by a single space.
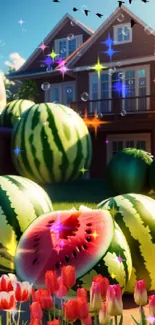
28 90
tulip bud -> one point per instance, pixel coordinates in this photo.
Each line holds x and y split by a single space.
104 318
95 296
114 300
104 284
140 293
152 305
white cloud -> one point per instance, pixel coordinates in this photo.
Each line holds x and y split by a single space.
16 61
4 79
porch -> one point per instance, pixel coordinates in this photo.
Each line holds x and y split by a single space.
113 110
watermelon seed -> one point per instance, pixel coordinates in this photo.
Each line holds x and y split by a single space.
88 239
89 224
67 258
36 239
88 231
79 248
85 246
57 265
35 245
51 221
35 260
74 254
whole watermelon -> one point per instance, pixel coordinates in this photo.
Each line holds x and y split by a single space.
135 215
13 110
55 144
128 171
21 201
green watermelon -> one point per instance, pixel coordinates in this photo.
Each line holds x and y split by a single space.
55 144
152 175
135 215
21 201
87 239
128 171
13 110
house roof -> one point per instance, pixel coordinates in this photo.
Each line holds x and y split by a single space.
73 58
51 35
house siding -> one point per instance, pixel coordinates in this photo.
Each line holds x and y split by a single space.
63 33
142 45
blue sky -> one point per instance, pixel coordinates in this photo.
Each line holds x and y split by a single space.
40 16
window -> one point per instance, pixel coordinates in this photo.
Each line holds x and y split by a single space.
65 46
126 83
122 34
116 142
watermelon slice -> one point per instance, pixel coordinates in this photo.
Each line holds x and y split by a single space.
78 238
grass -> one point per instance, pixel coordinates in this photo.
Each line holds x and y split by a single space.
69 205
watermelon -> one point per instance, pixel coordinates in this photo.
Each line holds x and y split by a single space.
86 239
13 110
135 215
128 171
152 175
55 144
21 201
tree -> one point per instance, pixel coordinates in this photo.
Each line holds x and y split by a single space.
28 90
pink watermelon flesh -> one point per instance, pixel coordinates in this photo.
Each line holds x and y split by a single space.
63 238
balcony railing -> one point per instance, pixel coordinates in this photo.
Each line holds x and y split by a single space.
116 106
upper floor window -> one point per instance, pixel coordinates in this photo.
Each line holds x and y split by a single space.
122 34
65 46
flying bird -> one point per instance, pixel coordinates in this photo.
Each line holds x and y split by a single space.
145 1
99 15
133 22
75 9
120 3
130 1
56 1
86 12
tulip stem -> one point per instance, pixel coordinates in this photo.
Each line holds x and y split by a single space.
7 318
115 320
49 316
19 310
54 305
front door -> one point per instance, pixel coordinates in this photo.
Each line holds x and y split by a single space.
56 93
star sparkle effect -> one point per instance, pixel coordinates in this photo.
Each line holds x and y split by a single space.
83 170
63 69
151 319
95 234
119 259
21 22
53 55
94 122
109 42
98 67
47 61
17 151
43 47
121 88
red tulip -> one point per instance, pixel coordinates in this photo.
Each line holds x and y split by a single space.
82 293
54 322
104 318
68 275
83 310
7 300
104 284
114 300
43 296
95 296
140 293
70 310
62 291
6 283
22 291
87 321
51 281
152 305
36 311
35 321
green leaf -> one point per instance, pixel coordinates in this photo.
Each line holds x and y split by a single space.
111 321
135 321
143 318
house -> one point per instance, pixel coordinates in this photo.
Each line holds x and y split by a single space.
122 94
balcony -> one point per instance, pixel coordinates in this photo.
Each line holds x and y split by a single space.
138 108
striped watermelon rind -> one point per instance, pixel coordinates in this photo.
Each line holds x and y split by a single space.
13 110
55 144
135 214
21 201
109 266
